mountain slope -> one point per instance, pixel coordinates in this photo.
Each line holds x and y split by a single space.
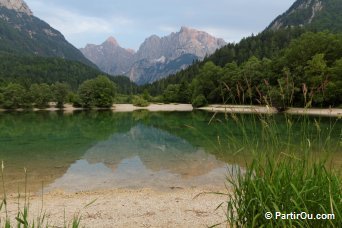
313 14
23 33
156 58
186 41
109 56
27 70
150 72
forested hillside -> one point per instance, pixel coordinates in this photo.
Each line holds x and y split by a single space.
27 70
280 68
25 34
296 61
315 15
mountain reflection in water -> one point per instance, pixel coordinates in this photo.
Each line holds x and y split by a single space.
100 150
143 157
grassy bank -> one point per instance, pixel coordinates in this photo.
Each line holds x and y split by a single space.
284 184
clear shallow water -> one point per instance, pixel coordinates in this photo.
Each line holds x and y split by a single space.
104 150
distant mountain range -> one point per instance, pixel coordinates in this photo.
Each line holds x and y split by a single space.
313 14
24 34
156 58
308 29
31 51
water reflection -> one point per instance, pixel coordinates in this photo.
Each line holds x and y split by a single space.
157 150
143 157
100 150
90 150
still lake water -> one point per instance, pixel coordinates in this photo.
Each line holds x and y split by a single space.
105 150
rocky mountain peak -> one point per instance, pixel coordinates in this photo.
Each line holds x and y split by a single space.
156 57
186 29
153 38
111 40
185 41
17 5
301 13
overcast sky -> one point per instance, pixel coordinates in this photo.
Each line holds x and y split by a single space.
132 21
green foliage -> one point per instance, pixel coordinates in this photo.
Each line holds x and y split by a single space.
35 37
41 95
14 96
333 91
124 85
140 102
326 17
285 185
27 70
171 94
267 44
98 92
199 101
146 95
306 72
60 93
74 99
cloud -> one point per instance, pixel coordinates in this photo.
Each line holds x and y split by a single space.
72 23
228 34
80 29
168 28
131 21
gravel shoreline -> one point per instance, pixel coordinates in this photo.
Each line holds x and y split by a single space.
190 207
332 112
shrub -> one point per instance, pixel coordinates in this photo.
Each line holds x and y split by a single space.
140 102
199 101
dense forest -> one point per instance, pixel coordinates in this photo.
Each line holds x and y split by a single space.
316 15
23 34
28 81
288 67
99 92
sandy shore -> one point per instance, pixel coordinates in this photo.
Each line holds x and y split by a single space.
153 107
68 108
129 208
239 109
334 112
337 112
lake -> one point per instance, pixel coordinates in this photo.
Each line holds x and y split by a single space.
165 150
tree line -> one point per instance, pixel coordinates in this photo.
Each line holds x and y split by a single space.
307 72
98 92
27 69
289 67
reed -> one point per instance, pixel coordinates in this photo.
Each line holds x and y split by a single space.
284 184
23 219
283 176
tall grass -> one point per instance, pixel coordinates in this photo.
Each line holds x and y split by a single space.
23 218
287 185
289 172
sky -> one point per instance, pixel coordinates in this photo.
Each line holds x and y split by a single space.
132 21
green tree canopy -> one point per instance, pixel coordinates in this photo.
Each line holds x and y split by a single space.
98 92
